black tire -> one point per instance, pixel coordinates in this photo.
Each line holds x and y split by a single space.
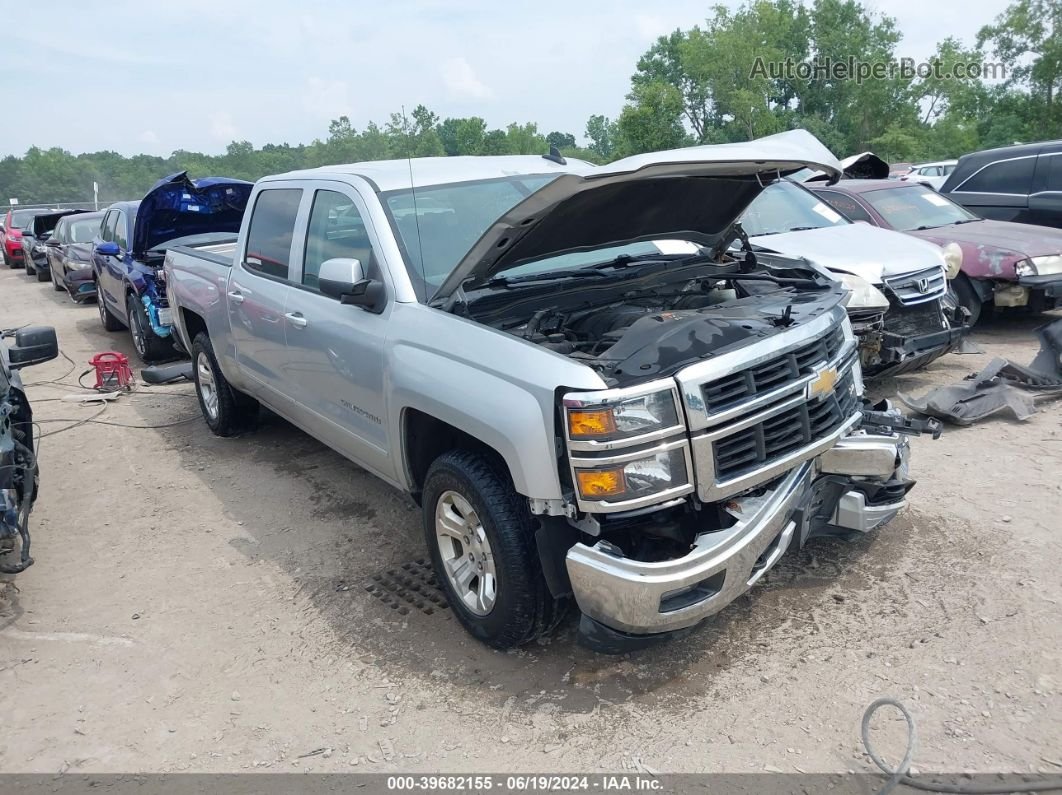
27 263
107 318
43 277
524 608
150 347
10 262
55 282
235 412
962 292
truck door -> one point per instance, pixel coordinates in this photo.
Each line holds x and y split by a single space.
258 287
335 357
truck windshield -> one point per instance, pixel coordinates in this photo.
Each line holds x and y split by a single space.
785 207
439 226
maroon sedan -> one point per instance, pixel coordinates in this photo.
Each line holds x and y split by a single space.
1001 263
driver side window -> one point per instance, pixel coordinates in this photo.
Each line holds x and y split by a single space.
336 230
107 230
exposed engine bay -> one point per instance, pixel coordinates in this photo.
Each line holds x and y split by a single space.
652 317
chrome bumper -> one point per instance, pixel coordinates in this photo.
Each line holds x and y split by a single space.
639 597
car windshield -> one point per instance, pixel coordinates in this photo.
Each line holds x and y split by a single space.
439 224
83 231
649 249
916 207
20 219
785 207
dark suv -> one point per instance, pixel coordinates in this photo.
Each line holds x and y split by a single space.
1015 183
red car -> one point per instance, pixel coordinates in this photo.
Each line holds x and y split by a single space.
989 262
11 236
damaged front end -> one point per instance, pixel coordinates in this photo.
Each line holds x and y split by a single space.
912 325
18 479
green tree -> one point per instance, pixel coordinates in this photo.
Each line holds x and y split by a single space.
561 140
651 121
602 134
1027 37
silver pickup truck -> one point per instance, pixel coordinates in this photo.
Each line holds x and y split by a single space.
588 392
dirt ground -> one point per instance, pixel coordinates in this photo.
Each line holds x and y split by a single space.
201 604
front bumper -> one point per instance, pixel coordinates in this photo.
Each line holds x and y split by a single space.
856 486
1050 284
908 339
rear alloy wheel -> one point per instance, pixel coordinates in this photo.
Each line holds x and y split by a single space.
227 411
107 318
149 345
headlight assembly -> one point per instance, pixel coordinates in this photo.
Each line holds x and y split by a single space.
604 418
627 447
1049 265
644 476
953 259
862 294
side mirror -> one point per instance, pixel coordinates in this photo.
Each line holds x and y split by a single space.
344 278
33 345
51 241
108 249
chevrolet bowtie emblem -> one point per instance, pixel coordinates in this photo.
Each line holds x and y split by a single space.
823 382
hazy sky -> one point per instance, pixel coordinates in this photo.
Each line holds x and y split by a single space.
195 74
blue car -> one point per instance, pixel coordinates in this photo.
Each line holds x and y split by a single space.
128 252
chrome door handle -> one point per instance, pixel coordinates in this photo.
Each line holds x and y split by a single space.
297 320
236 297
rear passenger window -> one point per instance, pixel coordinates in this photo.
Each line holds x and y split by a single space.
845 205
1053 165
272 231
336 230
1004 176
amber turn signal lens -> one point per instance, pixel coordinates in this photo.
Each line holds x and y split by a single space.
599 483
591 423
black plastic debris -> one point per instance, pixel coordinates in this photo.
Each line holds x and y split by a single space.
1000 386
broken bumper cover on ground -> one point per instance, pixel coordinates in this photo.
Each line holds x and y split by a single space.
856 486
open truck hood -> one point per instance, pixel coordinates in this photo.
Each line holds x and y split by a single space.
693 194
865 165
177 206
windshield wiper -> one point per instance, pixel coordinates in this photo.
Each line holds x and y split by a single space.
597 270
548 276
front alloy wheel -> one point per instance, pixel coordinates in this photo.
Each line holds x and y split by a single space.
465 552
481 538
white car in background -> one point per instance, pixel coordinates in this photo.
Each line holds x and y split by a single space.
897 282
932 174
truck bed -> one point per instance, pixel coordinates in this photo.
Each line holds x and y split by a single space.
220 253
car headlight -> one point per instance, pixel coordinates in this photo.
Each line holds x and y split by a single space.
953 259
644 476
602 418
862 294
1040 266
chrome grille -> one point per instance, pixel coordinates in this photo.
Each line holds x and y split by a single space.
787 368
777 436
918 287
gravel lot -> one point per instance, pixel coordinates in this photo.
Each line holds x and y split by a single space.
200 604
